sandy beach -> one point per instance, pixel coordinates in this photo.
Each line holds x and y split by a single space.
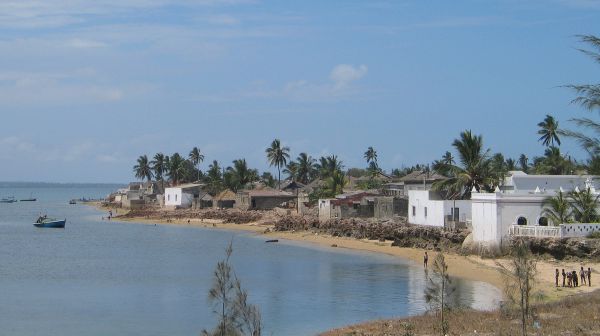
467 267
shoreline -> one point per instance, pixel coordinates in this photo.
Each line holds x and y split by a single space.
468 267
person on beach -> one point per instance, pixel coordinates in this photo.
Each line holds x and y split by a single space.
564 276
556 277
589 274
425 260
582 275
569 280
575 279
109 214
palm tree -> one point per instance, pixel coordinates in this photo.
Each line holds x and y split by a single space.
553 163
549 131
159 166
328 165
142 169
214 178
291 169
511 164
277 156
589 98
306 168
177 168
371 156
448 159
239 175
523 163
584 205
196 157
335 184
557 209
475 169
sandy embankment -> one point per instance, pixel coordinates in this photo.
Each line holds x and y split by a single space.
467 267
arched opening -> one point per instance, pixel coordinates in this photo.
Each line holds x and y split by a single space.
543 221
521 221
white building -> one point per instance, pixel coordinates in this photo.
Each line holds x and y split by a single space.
426 207
519 202
182 196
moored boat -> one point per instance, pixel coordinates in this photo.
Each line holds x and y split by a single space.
72 201
44 222
30 199
10 199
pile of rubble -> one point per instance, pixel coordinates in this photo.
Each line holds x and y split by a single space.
565 248
226 215
403 234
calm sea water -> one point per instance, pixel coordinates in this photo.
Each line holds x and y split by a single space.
108 278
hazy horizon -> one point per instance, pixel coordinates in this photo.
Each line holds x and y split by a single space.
87 87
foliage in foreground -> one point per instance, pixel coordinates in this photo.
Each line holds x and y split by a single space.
230 303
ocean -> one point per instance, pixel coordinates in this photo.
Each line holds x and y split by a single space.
99 277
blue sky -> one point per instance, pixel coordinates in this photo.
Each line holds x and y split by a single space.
87 86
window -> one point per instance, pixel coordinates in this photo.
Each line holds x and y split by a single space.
414 210
521 221
543 221
425 211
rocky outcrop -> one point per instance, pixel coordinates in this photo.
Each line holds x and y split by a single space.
401 233
566 248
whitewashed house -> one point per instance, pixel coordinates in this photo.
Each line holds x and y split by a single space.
182 196
426 207
516 208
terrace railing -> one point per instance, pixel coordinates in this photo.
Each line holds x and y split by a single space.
535 231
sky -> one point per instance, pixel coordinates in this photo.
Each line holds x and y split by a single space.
88 86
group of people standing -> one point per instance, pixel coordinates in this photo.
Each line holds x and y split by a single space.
572 279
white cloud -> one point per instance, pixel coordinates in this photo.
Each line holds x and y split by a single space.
344 74
85 43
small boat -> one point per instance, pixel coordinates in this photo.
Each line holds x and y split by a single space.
272 241
44 222
72 201
30 199
10 199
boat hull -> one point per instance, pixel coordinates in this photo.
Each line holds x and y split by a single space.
58 224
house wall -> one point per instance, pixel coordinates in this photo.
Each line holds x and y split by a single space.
176 197
324 206
578 230
242 201
437 209
494 214
383 207
268 202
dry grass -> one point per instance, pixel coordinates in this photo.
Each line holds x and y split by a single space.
576 315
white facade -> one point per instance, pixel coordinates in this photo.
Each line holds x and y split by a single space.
520 202
425 207
181 196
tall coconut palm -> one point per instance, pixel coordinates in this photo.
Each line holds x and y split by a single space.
475 169
448 159
557 209
371 156
549 131
278 156
177 168
159 166
524 163
306 168
589 98
214 178
335 184
291 169
510 164
584 205
239 174
328 165
553 163
196 157
142 169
